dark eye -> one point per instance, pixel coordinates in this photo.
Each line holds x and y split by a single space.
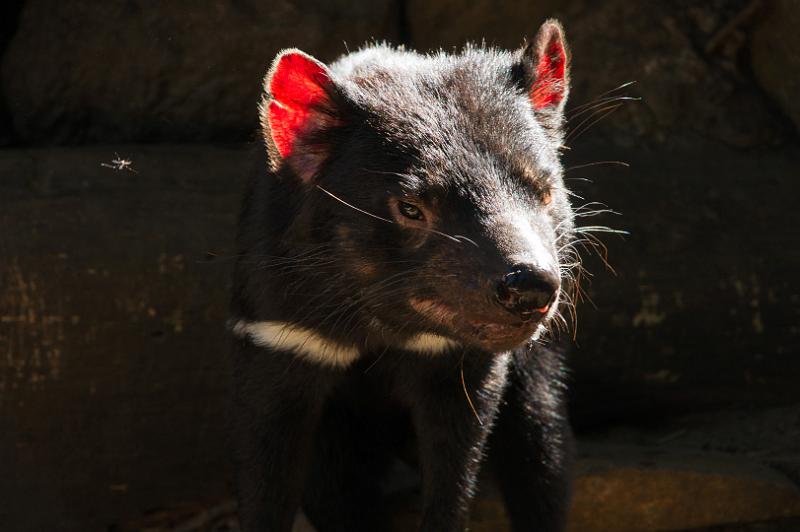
410 211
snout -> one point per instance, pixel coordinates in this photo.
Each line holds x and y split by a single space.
520 300
528 291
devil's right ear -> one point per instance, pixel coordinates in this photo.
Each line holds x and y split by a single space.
298 108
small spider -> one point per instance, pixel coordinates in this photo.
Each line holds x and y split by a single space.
120 164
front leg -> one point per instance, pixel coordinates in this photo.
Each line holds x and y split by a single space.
276 405
531 445
452 428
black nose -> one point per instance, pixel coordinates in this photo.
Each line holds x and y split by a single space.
528 290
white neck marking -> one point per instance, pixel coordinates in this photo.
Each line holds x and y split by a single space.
314 347
307 343
429 344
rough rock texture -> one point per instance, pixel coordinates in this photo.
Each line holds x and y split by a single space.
684 86
626 488
710 472
9 12
732 470
776 55
114 71
100 71
791 524
449 24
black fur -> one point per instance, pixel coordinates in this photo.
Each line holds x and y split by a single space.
457 134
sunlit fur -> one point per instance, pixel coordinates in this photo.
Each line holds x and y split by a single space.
455 131
357 329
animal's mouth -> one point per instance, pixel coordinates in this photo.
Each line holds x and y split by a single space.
494 331
503 336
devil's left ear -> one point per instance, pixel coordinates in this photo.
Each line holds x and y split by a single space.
544 65
299 107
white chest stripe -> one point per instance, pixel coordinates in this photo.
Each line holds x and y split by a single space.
301 341
314 347
429 344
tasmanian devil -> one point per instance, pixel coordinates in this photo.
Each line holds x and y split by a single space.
404 249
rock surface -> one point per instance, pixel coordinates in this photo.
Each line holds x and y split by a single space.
635 489
733 470
776 55
101 71
89 72
684 87
644 480
450 24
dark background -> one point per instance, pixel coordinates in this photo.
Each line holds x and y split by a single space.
113 366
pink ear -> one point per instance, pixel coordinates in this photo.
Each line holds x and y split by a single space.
550 87
297 86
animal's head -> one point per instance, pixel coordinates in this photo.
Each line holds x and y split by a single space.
435 184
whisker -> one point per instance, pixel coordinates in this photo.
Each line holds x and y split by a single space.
603 95
385 172
600 229
337 198
591 106
466 393
596 212
597 163
604 112
462 237
592 119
